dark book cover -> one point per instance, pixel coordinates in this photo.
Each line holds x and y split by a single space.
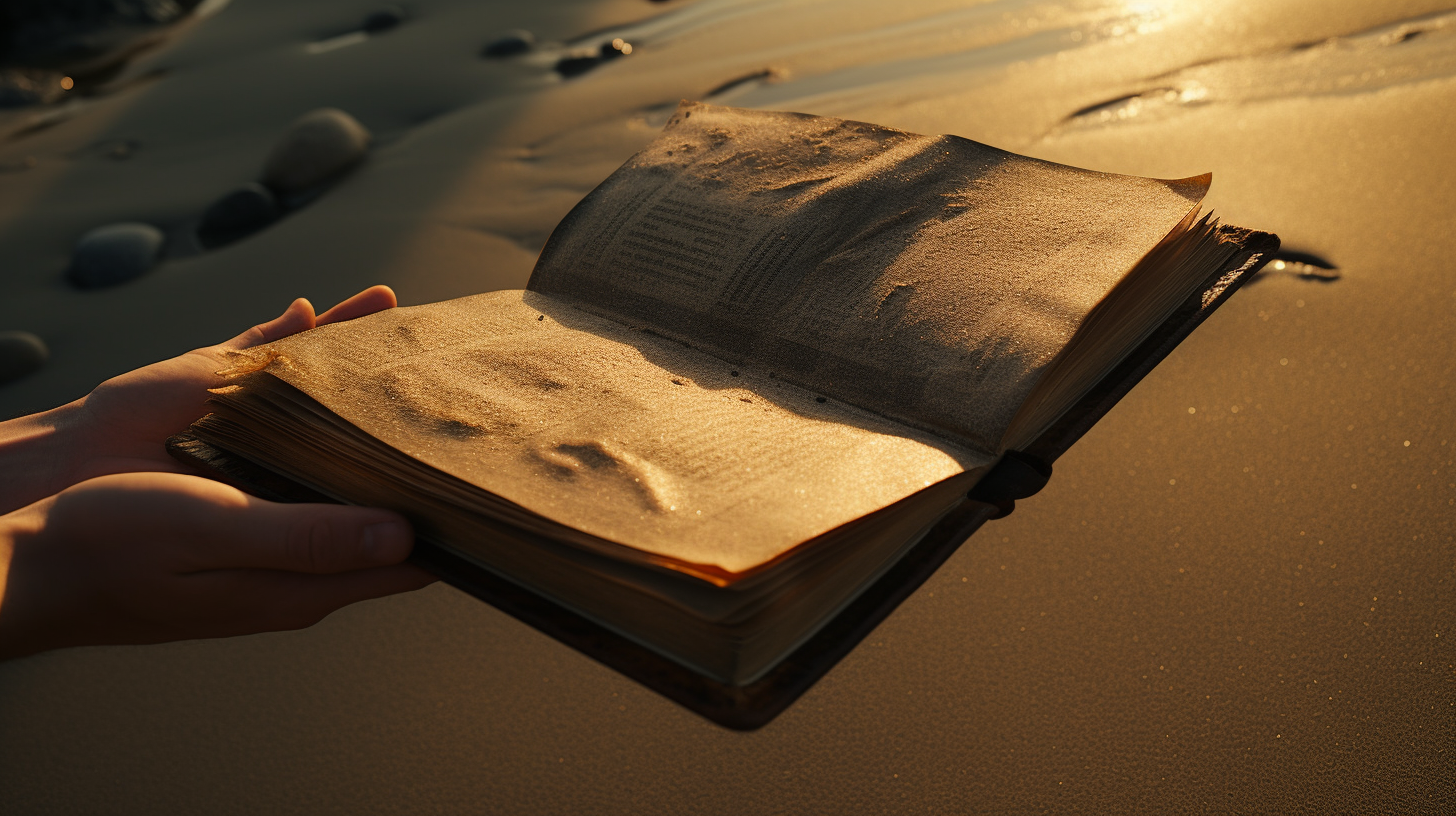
1018 475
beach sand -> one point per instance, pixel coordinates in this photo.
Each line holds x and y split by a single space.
1235 594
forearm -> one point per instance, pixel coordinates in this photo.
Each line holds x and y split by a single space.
23 628
7 554
42 454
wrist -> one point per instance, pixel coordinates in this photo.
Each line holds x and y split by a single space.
21 633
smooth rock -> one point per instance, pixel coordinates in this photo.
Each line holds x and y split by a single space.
21 353
618 47
113 254
383 20
577 64
240 213
510 44
318 147
581 62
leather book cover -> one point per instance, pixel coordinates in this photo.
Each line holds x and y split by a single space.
1019 475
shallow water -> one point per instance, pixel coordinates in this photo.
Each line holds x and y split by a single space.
1234 594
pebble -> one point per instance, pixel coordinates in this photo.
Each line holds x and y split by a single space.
578 64
618 47
21 353
113 254
383 20
510 44
240 213
318 147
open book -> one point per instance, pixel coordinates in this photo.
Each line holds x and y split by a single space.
753 371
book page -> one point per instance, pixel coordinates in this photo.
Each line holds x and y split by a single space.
927 278
616 432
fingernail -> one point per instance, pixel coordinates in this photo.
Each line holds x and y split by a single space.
387 541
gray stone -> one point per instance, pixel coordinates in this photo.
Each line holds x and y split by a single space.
21 353
383 20
509 44
319 147
579 63
240 213
113 254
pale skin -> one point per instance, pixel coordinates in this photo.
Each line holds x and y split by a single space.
105 539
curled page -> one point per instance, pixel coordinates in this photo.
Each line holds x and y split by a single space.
927 278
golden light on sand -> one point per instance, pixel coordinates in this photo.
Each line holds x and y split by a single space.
1342 147
1143 18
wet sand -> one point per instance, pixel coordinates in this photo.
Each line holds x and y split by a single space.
1235 594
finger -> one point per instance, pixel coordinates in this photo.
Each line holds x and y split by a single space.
205 525
371 300
299 316
267 601
308 538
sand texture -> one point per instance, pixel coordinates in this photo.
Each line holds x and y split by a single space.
1235 595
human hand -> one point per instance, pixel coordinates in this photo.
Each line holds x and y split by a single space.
133 414
152 557
122 426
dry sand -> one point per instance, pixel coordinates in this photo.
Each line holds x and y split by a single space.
1236 593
